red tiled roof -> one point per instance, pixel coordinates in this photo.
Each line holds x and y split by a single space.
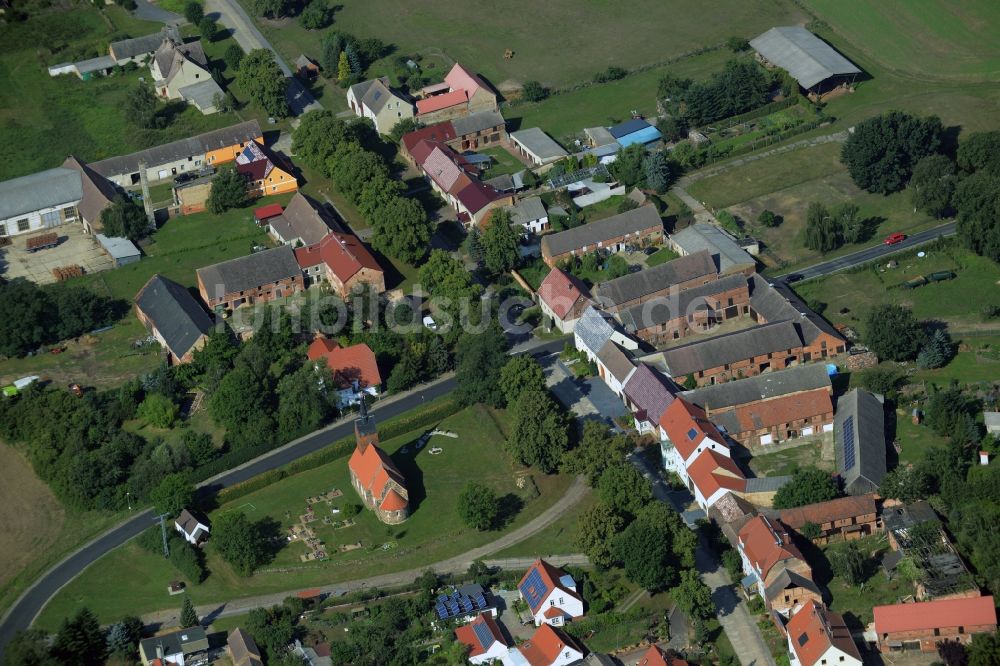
551 577
345 254
459 78
561 291
348 364
264 212
680 419
437 132
929 615
545 646
766 544
392 502
476 195
441 168
784 409
814 630
374 469
466 634
711 471
654 656
438 102
830 511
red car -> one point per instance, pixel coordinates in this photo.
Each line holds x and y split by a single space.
892 239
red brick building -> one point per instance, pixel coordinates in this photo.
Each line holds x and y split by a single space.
375 477
657 283
921 626
849 518
256 278
640 227
343 261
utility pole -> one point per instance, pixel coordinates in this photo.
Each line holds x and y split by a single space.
147 203
163 530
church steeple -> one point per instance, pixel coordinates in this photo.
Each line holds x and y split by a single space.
365 430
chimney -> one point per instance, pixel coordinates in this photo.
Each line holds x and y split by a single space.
984 457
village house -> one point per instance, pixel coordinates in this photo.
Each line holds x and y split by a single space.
529 213
637 227
551 594
860 441
702 237
655 656
659 282
140 49
920 626
457 181
180 71
770 408
242 649
167 160
460 94
547 647
194 527
777 302
177 648
562 298
174 317
592 334
848 518
819 637
355 370
537 147
647 394
774 566
266 172
377 101
302 222
343 262
257 278
375 477
712 476
476 131
484 639
306 68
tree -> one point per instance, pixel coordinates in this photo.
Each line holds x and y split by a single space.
596 529
848 220
673 128
624 489
881 152
317 15
123 637
946 409
479 506
238 398
500 243
810 530
354 60
657 171
305 401
533 91
271 8
158 411
343 69
273 629
474 246
977 200
933 185
233 57
239 542
628 165
404 126
597 451
478 362
693 597
808 486
530 179
141 107
352 168
768 219
208 29
318 136
29 647
444 276
906 484
80 640
124 219
690 383
193 12
892 332
261 78
849 563
823 230
401 229
173 494
521 373
980 152
645 553
984 650
883 379
229 190
737 44
189 617
937 352
538 435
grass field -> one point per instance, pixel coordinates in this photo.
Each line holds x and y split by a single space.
780 463
558 539
432 533
662 256
925 38
43 119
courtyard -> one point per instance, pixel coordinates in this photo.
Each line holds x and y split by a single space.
75 248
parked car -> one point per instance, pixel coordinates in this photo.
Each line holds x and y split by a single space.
429 323
650 251
897 237
185 177
793 277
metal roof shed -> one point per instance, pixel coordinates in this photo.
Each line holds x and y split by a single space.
121 250
805 56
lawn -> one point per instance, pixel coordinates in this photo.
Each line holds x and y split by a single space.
855 603
558 539
503 163
661 256
915 440
431 534
781 463
925 38
43 119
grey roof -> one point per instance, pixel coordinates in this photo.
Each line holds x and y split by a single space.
628 127
766 484
808 377
991 420
866 438
630 222
730 348
95 64
175 313
191 522
172 52
527 210
177 150
45 189
201 94
652 280
375 93
805 56
502 183
680 304
251 271
477 122
302 218
599 136
538 143
594 329
118 248
136 46
616 361
779 302
595 659
701 236
788 578
901 517
186 641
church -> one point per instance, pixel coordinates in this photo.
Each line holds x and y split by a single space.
375 477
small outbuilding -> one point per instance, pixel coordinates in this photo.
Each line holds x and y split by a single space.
192 526
121 250
537 146
816 65
635 131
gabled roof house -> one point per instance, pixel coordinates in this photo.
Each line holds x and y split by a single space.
174 317
484 639
562 298
551 594
817 636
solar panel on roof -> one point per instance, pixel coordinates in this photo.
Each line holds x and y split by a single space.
483 635
534 589
692 433
848 436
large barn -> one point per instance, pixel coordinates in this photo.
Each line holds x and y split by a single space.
816 65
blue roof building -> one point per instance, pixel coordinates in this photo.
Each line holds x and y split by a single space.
635 131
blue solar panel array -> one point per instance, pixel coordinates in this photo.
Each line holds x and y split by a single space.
849 453
483 635
534 590
457 604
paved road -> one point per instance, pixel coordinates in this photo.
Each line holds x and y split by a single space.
27 607
149 12
872 253
232 15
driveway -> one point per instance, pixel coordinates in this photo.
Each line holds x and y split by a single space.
147 11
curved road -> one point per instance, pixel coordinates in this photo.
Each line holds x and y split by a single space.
27 607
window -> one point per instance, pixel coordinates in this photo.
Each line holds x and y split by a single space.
561 600
552 602
961 630
3 229
22 224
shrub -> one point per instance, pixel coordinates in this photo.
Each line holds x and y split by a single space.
533 91
612 73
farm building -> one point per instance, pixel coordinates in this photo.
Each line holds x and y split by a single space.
639 226
461 93
537 146
808 59
635 131
860 441
530 214
121 250
256 278
139 48
173 317
729 256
